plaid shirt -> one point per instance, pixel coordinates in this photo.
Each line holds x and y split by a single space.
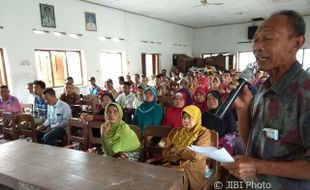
39 108
284 106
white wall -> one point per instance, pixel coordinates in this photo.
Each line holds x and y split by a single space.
19 17
226 38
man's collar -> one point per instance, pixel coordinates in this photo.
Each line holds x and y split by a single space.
286 80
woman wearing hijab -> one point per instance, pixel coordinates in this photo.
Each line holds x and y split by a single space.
177 154
105 99
189 99
173 115
225 127
149 112
203 83
200 100
118 140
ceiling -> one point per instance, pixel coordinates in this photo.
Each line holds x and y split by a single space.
182 11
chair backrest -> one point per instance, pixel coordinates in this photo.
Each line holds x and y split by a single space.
88 106
137 130
129 113
9 125
214 165
9 120
157 132
27 108
165 101
92 139
214 138
26 125
75 125
25 117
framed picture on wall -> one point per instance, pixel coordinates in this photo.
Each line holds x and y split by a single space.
47 16
90 21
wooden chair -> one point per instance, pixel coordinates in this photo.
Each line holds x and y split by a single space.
74 126
9 125
129 113
165 101
88 106
27 108
137 130
214 165
26 126
153 131
93 140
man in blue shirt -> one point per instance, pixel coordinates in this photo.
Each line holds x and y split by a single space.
39 107
58 115
94 89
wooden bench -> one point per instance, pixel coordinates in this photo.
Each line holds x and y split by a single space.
49 167
26 126
76 125
10 130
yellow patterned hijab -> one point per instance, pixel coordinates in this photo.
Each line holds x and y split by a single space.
184 136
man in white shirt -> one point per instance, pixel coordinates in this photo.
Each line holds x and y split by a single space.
31 93
126 98
58 115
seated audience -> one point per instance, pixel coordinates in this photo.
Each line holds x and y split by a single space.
173 115
118 140
128 78
9 103
69 96
94 89
176 153
202 83
189 100
138 97
109 86
71 81
226 127
127 98
39 107
31 96
105 99
200 100
121 81
58 115
149 112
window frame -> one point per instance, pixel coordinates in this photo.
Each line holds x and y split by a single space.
2 67
66 64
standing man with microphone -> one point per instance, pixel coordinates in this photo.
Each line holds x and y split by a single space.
275 124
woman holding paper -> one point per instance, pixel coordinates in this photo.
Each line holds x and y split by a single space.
177 154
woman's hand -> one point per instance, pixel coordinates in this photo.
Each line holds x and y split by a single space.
86 117
123 155
105 127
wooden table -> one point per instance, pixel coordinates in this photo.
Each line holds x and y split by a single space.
26 165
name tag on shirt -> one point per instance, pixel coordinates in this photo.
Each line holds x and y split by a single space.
271 133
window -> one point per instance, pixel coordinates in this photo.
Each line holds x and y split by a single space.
54 66
3 80
150 64
111 66
244 59
306 61
303 56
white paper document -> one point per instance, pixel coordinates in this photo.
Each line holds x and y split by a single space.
220 155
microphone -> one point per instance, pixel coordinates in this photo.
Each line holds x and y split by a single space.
245 76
